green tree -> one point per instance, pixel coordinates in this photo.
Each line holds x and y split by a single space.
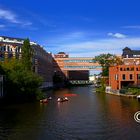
27 54
21 83
107 60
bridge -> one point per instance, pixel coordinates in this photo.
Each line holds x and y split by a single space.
76 63
75 68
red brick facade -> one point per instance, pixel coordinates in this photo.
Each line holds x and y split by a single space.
123 76
74 67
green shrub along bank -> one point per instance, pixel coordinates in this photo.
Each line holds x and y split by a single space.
21 83
133 91
130 90
102 85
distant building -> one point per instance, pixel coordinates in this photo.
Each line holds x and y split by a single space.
131 57
92 78
131 61
61 55
123 76
128 53
42 60
74 68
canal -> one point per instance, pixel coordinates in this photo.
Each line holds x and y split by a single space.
86 116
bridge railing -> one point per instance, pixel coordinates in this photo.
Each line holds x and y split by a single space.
80 82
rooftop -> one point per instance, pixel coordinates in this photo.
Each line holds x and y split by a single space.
14 40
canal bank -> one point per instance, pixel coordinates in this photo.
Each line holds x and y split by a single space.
108 90
123 95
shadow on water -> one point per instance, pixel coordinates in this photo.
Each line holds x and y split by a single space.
17 120
86 116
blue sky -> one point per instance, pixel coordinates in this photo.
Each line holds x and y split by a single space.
78 27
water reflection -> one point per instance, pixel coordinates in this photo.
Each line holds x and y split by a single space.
87 116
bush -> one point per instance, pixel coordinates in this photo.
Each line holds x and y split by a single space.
102 84
134 91
123 91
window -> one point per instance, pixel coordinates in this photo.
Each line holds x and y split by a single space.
120 69
132 69
137 69
4 48
127 69
116 76
80 61
131 76
8 48
1 57
82 67
138 76
123 76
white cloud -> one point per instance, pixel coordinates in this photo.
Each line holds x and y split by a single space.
13 18
117 35
96 47
132 27
8 15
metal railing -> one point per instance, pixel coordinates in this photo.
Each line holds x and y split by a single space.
80 82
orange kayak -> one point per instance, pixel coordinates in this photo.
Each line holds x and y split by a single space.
70 95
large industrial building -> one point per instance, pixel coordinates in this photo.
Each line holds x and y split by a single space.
74 68
42 60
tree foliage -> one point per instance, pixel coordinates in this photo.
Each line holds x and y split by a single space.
107 60
20 82
27 54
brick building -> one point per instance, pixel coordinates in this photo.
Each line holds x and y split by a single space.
74 68
127 74
124 75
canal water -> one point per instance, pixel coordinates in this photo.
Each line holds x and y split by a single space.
86 116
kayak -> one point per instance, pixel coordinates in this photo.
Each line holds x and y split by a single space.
70 95
44 101
62 99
